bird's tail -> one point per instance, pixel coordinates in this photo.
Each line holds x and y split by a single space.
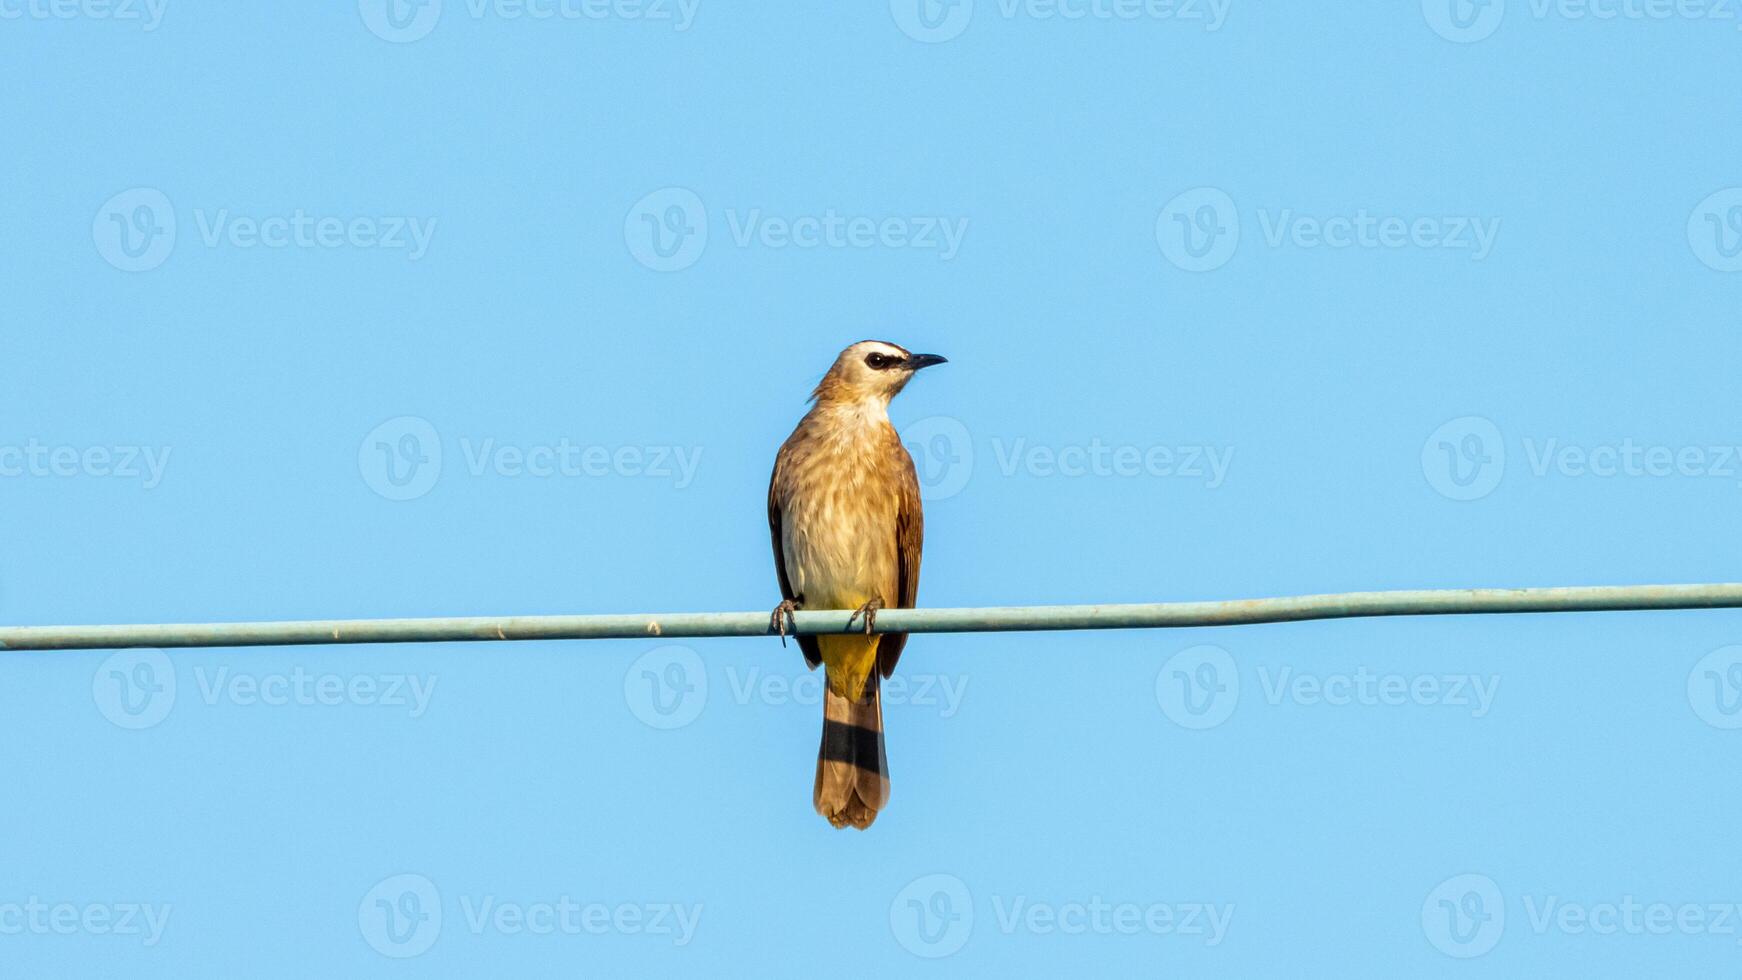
852 773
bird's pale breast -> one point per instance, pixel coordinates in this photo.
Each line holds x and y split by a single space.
840 504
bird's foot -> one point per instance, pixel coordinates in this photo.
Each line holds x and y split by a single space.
869 611
783 619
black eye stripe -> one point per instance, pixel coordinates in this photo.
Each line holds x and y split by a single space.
879 361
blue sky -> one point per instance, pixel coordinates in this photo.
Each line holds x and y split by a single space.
483 307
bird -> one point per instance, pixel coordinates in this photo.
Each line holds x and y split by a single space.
845 517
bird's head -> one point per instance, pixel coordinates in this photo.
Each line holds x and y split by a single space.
871 371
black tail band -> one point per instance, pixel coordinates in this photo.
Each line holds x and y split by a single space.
853 744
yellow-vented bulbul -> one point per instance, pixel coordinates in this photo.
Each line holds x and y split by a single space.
844 513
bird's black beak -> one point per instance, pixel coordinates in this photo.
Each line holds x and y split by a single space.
917 361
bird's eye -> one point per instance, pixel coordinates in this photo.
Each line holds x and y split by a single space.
878 362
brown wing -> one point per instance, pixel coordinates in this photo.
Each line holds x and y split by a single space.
909 542
806 644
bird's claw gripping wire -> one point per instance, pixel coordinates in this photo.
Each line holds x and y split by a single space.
869 610
782 618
